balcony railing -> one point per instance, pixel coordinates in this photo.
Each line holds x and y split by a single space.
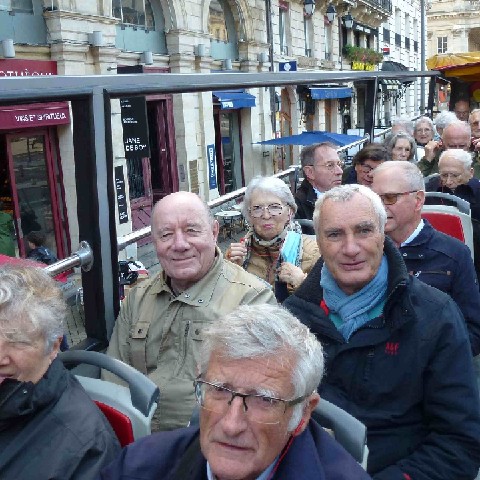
385 5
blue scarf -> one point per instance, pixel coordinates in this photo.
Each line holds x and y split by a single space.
354 309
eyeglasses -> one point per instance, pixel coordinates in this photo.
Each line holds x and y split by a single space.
258 408
274 209
392 198
329 165
424 130
367 168
453 176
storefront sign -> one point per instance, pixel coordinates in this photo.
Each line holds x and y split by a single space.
121 195
27 68
34 115
287 66
212 173
135 127
363 66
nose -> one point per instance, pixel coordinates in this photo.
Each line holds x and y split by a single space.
180 242
338 168
4 357
265 213
234 421
350 246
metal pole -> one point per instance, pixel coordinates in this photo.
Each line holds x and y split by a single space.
422 55
268 12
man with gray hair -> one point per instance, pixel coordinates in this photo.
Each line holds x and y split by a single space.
435 258
322 168
456 134
259 369
396 350
162 320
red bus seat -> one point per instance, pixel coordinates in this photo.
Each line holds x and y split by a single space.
446 223
121 423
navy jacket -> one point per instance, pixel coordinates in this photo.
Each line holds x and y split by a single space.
446 263
407 375
305 199
176 455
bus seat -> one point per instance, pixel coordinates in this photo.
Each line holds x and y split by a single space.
130 408
449 220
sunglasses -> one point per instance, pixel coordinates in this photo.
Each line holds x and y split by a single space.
392 198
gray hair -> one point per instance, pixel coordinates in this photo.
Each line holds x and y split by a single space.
444 118
31 306
409 172
405 123
424 120
267 331
307 155
464 157
461 125
272 185
473 112
344 193
392 140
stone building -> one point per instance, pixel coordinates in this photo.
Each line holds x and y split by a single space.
190 135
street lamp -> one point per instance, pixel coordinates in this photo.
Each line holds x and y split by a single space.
309 7
348 21
331 13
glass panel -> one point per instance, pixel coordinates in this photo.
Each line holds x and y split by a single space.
135 177
31 179
227 147
5 5
134 12
22 6
217 25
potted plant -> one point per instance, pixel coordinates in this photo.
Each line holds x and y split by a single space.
362 56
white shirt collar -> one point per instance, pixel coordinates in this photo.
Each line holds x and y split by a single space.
414 234
318 192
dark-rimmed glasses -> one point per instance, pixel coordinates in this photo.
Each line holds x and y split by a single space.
274 209
392 198
258 408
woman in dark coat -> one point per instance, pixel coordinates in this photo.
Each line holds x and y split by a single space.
49 428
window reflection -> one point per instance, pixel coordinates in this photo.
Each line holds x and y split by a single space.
217 25
134 12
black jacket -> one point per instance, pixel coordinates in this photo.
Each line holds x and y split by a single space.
51 430
305 199
408 375
176 455
446 263
42 254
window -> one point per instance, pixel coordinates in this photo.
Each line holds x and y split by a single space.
307 28
25 6
217 25
328 41
442 45
282 14
386 35
134 12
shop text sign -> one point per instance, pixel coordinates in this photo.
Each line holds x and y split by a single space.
13 67
212 175
121 195
135 127
34 115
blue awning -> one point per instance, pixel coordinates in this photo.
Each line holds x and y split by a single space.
230 99
311 137
330 92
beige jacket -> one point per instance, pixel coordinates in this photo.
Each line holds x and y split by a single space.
160 334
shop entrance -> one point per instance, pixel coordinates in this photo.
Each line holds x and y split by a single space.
29 189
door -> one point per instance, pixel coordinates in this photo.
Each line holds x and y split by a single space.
33 188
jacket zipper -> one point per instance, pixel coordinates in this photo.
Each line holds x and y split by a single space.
185 347
432 272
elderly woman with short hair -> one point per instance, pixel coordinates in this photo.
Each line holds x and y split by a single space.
401 146
49 427
273 248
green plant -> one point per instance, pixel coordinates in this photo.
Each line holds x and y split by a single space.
360 54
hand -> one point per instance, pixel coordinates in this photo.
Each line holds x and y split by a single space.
291 274
431 149
476 144
237 253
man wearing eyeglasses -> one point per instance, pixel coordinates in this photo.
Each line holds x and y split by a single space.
435 258
323 170
160 325
259 371
397 351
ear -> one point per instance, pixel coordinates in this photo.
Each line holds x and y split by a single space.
419 200
56 348
308 171
312 402
215 229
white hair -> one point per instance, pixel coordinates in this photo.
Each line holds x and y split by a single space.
344 193
266 330
463 157
409 172
444 118
272 185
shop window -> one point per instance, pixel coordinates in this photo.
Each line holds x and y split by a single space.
442 45
217 24
134 12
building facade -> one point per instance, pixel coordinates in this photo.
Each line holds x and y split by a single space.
203 142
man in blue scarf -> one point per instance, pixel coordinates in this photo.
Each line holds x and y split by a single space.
397 351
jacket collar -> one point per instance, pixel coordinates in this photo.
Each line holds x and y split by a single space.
307 188
199 294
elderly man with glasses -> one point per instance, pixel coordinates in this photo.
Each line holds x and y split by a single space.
397 351
323 170
259 371
435 258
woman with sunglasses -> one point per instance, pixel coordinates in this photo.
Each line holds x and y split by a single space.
274 248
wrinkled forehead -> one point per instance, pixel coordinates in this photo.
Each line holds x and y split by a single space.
341 214
451 163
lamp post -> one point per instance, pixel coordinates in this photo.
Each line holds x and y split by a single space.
309 7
